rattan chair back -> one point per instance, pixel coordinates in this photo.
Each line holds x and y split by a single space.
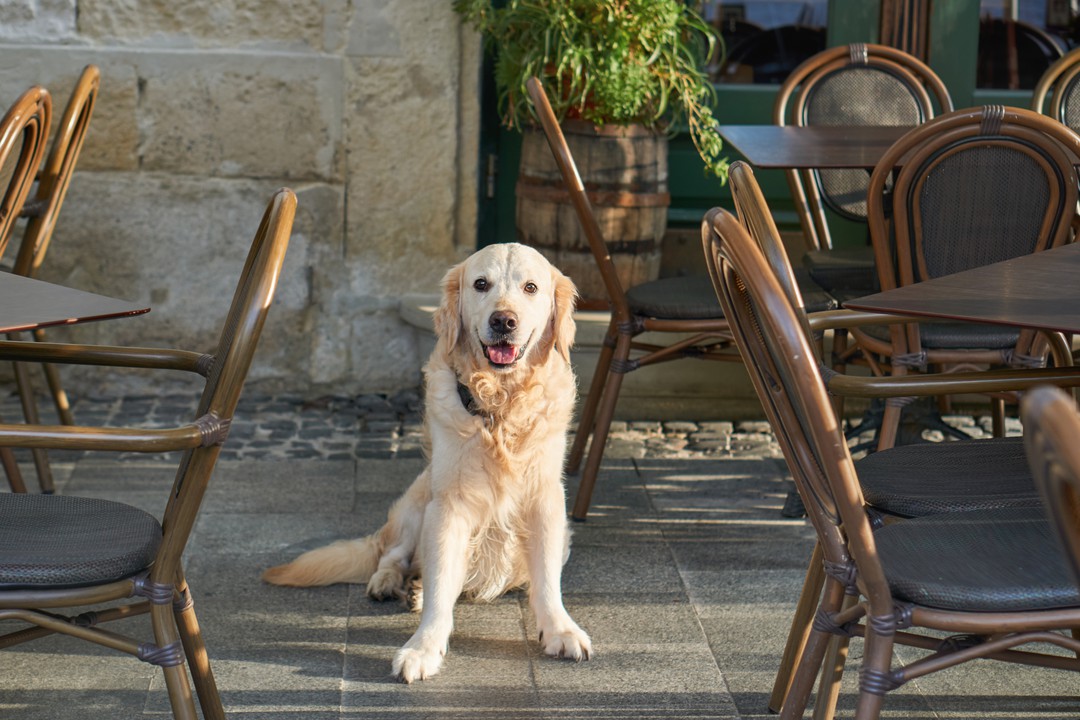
1051 429
24 130
860 84
971 188
1057 93
59 551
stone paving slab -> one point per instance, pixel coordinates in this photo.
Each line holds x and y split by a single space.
685 576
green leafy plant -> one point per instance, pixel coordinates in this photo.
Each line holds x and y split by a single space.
606 61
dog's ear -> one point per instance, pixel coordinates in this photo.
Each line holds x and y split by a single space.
562 314
447 317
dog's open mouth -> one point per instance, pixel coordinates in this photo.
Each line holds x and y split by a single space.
502 354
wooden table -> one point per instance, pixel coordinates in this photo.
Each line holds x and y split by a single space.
28 304
814 147
1041 290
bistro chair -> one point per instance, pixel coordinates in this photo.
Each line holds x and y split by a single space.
1055 94
24 130
968 575
41 212
976 186
684 307
59 552
859 84
902 482
1051 429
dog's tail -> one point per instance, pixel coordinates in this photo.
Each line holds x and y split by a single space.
345 561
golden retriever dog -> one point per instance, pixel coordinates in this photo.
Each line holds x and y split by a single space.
488 512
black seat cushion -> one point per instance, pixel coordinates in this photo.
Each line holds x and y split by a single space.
956 336
983 561
849 271
929 478
56 541
692 297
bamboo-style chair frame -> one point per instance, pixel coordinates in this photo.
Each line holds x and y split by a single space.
41 212
788 381
907 250
623 351
911 78
24 130
159 586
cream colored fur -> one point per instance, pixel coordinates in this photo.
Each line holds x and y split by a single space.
488 512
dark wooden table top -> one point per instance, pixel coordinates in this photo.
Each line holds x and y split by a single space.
1041 290
27 304
817 147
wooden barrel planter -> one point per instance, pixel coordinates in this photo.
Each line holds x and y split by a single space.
624 170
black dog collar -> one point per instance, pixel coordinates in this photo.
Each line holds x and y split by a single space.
467 399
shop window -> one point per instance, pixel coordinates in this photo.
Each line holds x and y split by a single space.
1020 39
765 39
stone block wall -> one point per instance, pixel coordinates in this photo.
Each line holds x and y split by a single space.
367 108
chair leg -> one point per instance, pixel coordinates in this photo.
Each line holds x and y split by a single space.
11 469
176 680
592 401
890 426
877 660
800 629
30 413
195 650
997 417
52 379
606 412
832 671
813 655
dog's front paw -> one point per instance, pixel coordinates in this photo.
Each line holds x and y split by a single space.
566 641
386 583
416 663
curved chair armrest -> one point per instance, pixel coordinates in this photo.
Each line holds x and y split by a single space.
75 437
132 357
982 381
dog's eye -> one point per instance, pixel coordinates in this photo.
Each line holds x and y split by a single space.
531 288
481 285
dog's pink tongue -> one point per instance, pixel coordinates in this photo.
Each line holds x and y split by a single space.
502 354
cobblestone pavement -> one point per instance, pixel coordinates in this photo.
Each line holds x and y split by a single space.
390 426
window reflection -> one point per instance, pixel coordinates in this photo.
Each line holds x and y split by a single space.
1020 39
765 39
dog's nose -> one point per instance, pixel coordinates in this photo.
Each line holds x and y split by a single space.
503 322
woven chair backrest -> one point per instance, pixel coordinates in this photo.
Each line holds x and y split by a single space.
861 84
975 187
1051 429
227 368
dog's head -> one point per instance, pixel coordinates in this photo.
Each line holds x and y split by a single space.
506 306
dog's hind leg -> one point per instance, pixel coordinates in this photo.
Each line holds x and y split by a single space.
400 537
